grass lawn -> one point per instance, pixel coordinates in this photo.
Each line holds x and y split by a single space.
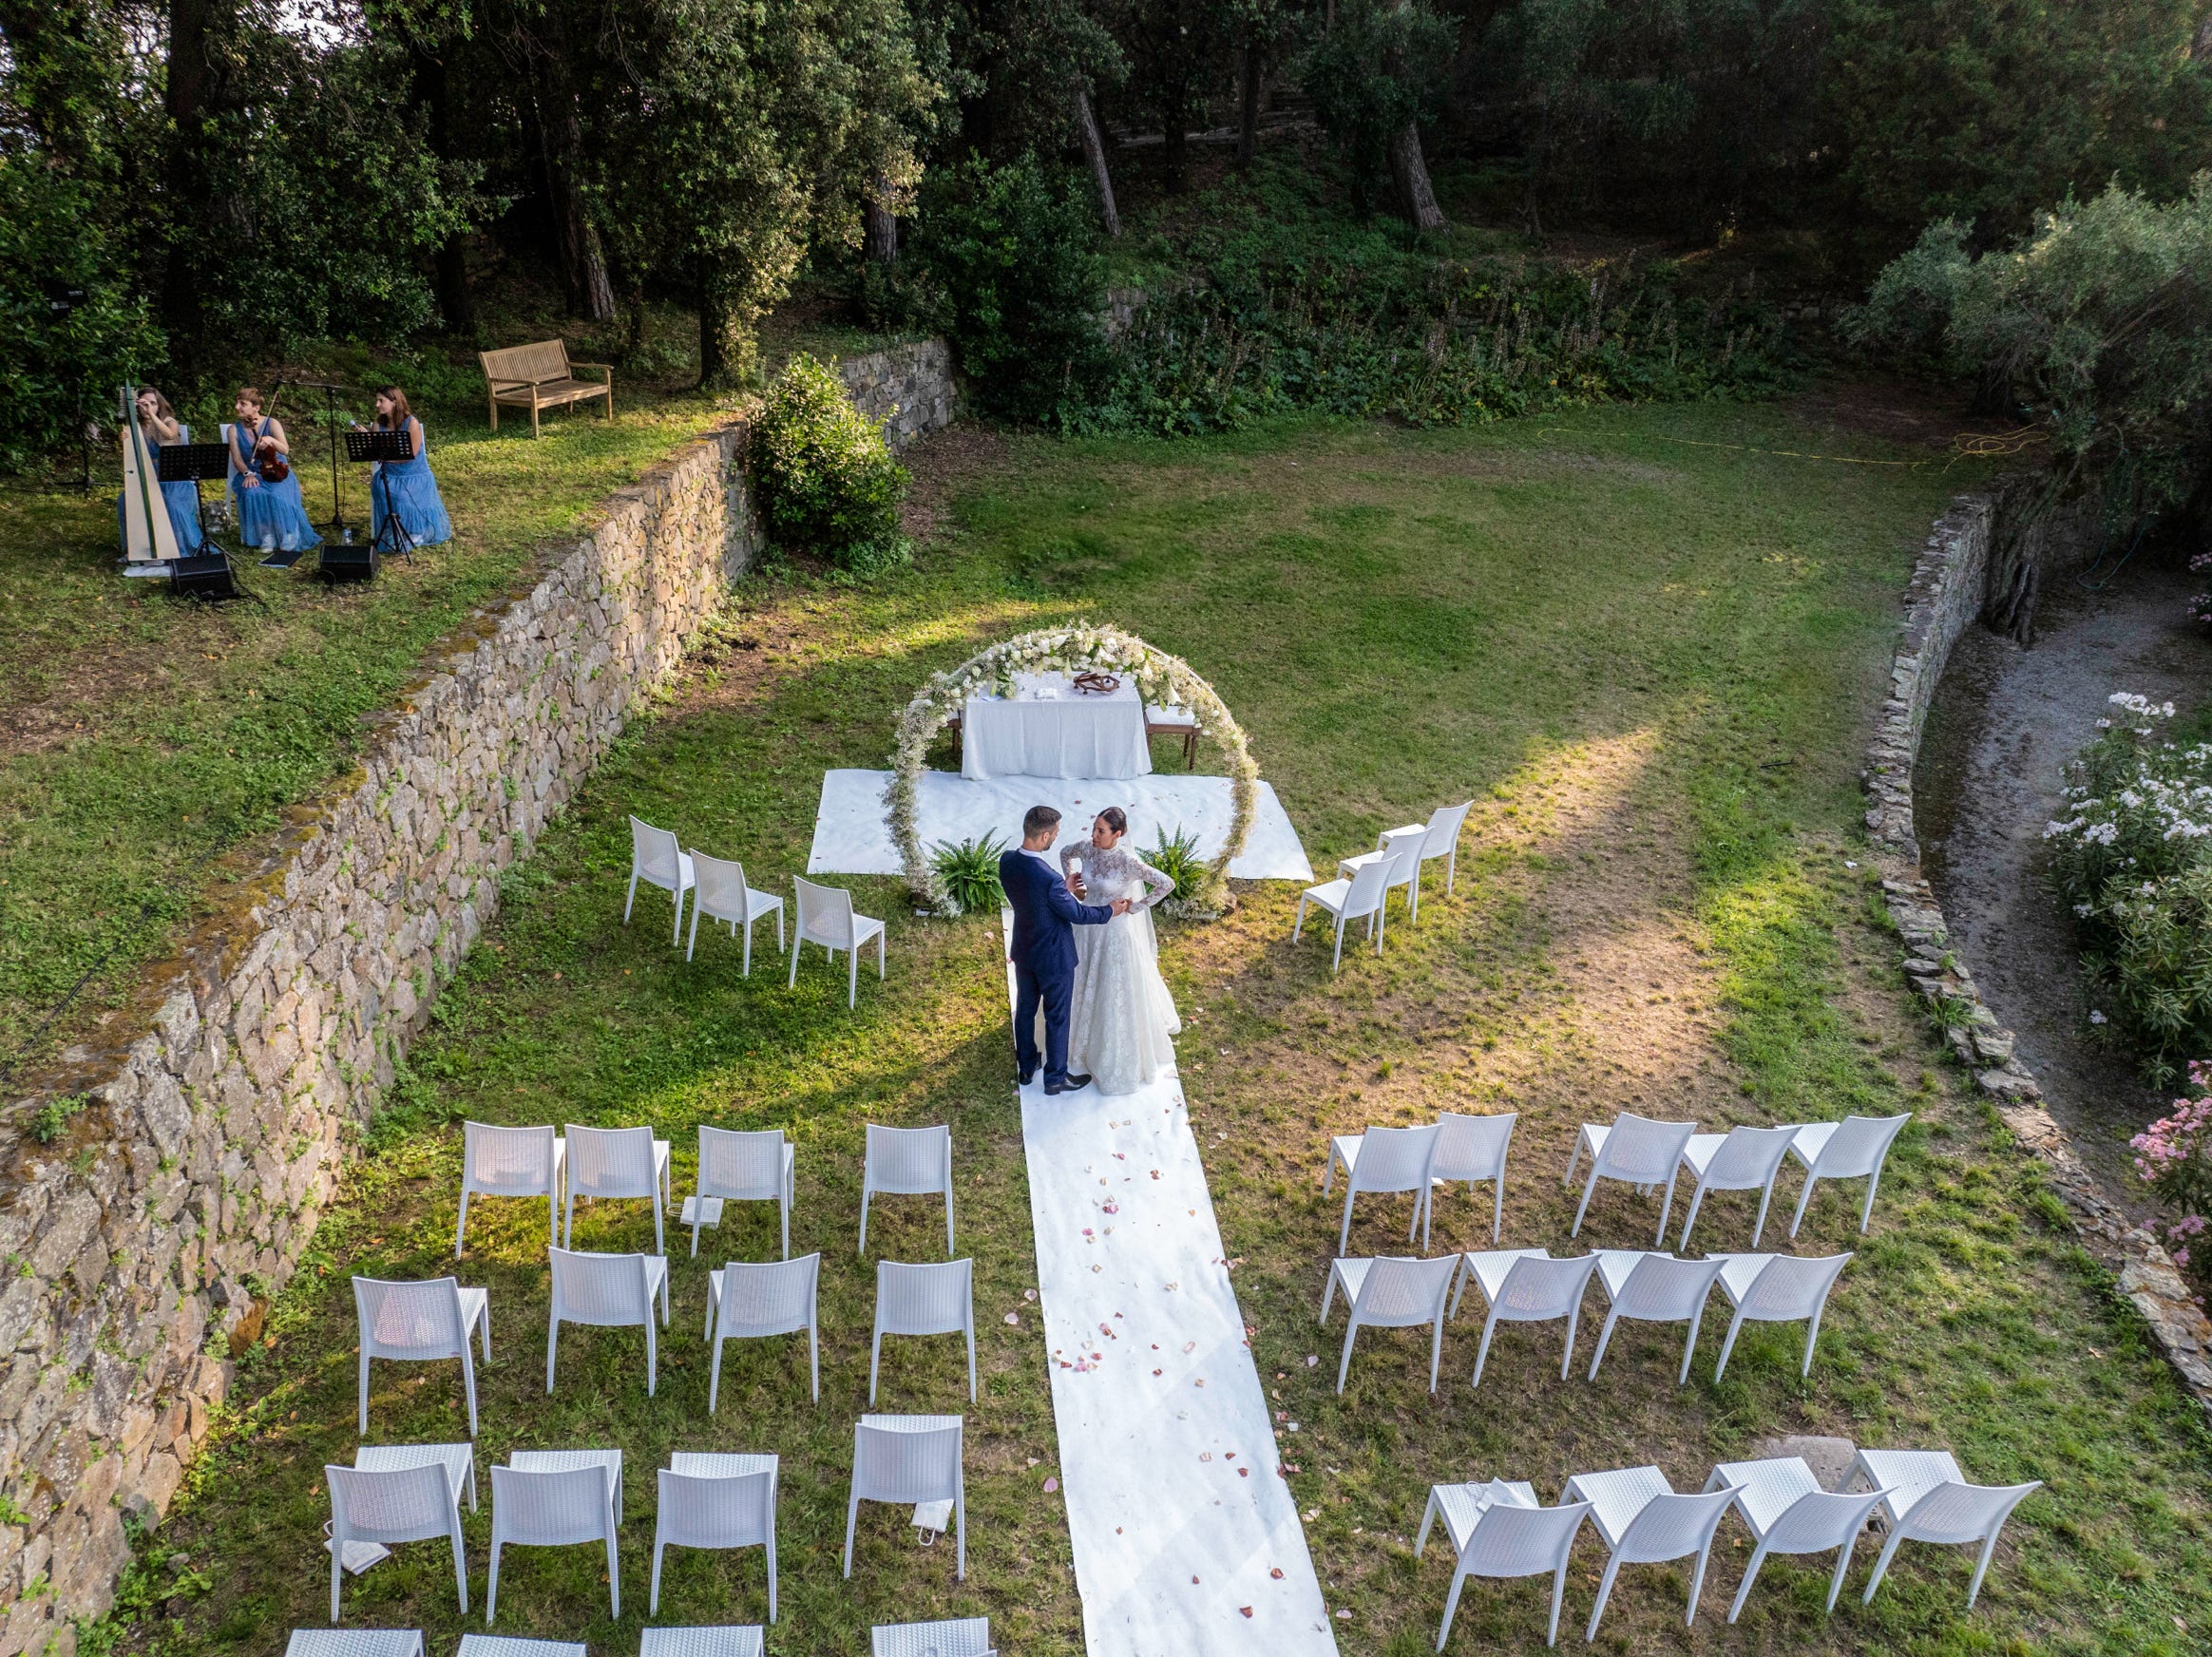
1651 658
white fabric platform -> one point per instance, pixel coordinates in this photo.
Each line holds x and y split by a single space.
851 837
1146 1513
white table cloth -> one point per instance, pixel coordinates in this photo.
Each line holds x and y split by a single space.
1047 730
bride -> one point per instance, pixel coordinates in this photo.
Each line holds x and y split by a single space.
1121 1017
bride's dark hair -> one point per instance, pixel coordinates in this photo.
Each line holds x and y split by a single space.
1115 819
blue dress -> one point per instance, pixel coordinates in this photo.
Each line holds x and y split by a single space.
183 503
270 514
412 493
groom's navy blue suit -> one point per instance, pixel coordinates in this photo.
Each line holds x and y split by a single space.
1043 951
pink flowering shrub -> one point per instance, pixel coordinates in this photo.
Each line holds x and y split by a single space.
2174 1157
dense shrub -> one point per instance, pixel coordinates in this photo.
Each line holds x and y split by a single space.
2174 1157
1009 255
2134 859
825 481
1433 343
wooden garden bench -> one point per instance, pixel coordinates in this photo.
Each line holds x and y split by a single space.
540 376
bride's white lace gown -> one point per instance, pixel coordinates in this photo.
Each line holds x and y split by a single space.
1123 1022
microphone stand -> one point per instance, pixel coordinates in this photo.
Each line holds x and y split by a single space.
338 527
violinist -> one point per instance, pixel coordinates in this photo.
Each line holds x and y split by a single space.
272 516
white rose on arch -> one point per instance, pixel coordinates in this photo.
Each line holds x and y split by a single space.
1161 680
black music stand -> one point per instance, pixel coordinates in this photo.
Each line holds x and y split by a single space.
340 529
209 575
348 561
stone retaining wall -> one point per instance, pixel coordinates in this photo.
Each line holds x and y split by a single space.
141 1245
1968 549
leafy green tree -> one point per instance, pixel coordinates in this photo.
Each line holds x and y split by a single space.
1179 54
1376 76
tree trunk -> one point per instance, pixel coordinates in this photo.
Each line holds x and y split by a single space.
729 348
584 259
1095 153
1992 393
879 232
187 93
452 263
1247 116
1410 173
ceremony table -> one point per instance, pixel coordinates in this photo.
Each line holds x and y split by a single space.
1047 729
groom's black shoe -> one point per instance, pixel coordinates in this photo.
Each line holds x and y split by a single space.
1073 1085
1023 1075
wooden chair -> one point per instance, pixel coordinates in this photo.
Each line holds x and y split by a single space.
1179 723
540 376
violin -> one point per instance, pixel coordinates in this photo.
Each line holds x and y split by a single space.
269 462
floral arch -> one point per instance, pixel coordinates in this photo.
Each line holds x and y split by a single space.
1162 680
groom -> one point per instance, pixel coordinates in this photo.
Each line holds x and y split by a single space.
1043 949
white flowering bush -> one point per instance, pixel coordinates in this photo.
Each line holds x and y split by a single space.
2133 859
1162 680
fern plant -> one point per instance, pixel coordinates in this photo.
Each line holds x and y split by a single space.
1177 856
970 873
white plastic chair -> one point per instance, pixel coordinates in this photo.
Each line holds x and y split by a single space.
1777 1288
420 1323
1499 1530
1401 849
1789 1513
1442 840
742 1167
909 1459
658 861
616 1164
354 1643
1392 1292
1741 1159
958 1637
924 1300
722 895
1644 1522
1384 1160
826 917
394 1493
508 1645
1360 897
715 1640
556 1506
610 1291
512 1162
913 1162
1927 1499
1473 1149
1653 1288
1853 1149
1526 1285
753 1300
716 1501
1635 1151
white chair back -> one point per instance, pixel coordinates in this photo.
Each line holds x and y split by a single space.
417 1321
609 1290
1396 1159
1790 1286
1370 883
507 1162
745 1166
552 1510
405 1504
1473 1148
925 1300
1671 1526
824 914
1663 1289
709 1510
1510 1541
1401 849
1401 1291
906 1458
908 1161
1443 835
655 856
611 1162
1952 1513
1819 1520
1856 1149
771 1297
1747 1157
1537 1290
1639 1150
719 889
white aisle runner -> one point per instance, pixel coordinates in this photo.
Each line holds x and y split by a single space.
1187 1540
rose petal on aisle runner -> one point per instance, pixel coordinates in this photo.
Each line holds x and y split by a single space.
1216 1562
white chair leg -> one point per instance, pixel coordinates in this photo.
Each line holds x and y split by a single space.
1667 1208
714 1379
1575 1230
1729 1345
792 980
1567 1357
1881 1564
613 1575
1558 1584
1758 1225
460 1559
1299 924
491 1589
851 1515
629 902
1613 1569
692 943
852 978
960 1535
1337 959
1803 1197
1435 1351
1428 1517
1482 1352
1452 1604
552 1344
1980 1570
1344 1234
1866 1215
1812 1334
875 1363
1572 1157
1697 1580
1498 1218
1751 1575
864 1196
784 1208
1604 1337
364 1384
882 937
747 970
1344 1366
1835 1582
971 1346
779 931
652 1598
813 1364
461 1225
1696 1199
948 1218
